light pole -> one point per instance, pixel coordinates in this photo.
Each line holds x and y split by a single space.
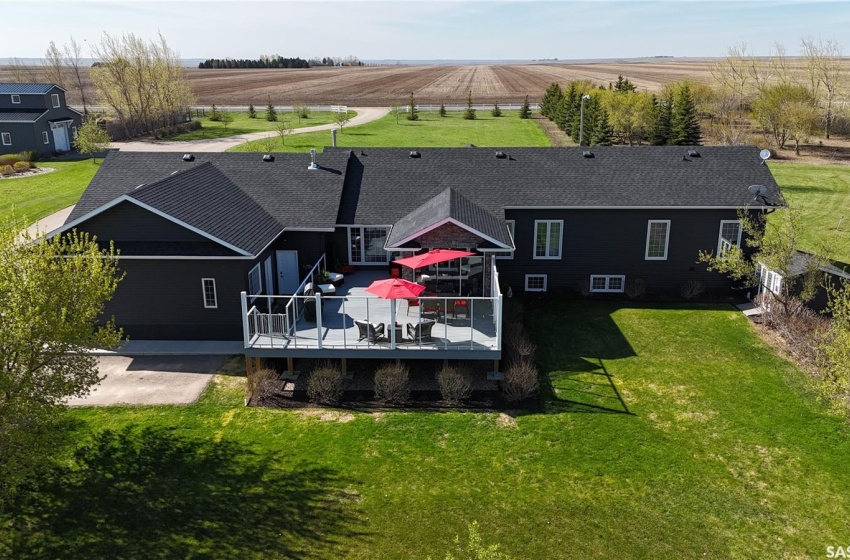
581 119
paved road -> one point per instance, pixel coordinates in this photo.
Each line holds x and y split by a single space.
364 115
151 380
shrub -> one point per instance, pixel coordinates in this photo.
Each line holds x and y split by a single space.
214 114
469 113
636 288
325 384
525 110
21 166
262 384
9 159
29 155
442 111
455 385
522 381
252 113
392 383
520 344
7 170
691 289
496 111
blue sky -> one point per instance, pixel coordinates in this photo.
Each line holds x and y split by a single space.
429 29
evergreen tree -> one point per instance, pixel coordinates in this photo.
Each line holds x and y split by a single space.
684 126
252 114
496 112
569 107
214 114
412 113
601 134
271 114
525 110
662 116
623 85
550 101
442 111
469 114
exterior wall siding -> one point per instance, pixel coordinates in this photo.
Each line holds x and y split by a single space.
128 222
613 242
23 138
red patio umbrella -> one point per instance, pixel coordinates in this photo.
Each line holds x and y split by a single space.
433 256
395 288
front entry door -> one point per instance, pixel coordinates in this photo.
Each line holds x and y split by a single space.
287 272
60 138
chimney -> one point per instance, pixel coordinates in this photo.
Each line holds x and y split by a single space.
333 137
313 165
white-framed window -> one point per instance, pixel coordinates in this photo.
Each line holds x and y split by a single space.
7 138
255 283
55 99
366 245
535 282
607 283
45 137
208 289
657 238
770 280
729 236
74 131
548 235
507 255
16 99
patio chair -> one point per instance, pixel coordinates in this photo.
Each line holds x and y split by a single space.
420 332
370 331
412 303
460 307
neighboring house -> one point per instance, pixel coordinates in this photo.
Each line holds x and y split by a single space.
791 282
36 117
213 245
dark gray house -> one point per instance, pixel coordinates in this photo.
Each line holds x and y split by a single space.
231 246
36 117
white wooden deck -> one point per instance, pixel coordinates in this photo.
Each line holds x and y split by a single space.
473 331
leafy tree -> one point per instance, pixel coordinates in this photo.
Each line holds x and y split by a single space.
469 113
835 370
271 114
252 113
684 127
525 110
225 118
442 111
496 111
772 110
283 128
802 118
412 113
301 111
342 119
91 139
52 295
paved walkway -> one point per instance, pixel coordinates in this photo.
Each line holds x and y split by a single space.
364 115
51 222
151 380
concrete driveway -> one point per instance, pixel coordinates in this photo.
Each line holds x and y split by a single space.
151 380
364 115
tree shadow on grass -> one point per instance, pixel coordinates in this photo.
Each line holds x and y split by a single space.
151 493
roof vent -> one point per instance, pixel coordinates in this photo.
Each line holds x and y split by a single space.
587 154
501 155
693 153
313 165
268 157
415 154
470 145
188 157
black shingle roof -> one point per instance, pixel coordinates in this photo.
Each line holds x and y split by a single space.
24 89
293 196
388 182
449 204
21 116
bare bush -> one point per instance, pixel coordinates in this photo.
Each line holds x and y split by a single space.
262 384
455 384
636 288
520 345
325 384
522 381
583 287
392 383
691 289
802 330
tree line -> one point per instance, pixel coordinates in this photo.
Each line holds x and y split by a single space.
273 61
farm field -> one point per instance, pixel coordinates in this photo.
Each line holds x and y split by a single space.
667 431
430 130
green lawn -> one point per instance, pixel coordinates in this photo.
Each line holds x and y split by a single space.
668 432
38 196
822 195
242 124
430 130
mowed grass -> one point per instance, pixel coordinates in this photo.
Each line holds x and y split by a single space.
668 432
822 195
243 125
32 198
430 130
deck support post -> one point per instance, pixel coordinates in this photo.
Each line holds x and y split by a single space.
496 365
290 365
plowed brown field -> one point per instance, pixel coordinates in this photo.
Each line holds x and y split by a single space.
382 85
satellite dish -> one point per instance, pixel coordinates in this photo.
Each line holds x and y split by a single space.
764 155
756 190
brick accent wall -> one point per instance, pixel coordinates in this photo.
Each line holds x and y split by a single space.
449 236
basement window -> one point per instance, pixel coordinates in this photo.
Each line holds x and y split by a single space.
7 138
607 283
535 282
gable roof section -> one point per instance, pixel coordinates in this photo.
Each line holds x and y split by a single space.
450 206
295 197
26 89
388 182
205 199
22 116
